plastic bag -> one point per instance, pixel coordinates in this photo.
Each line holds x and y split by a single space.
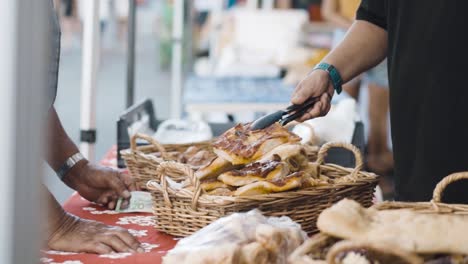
175 131
240 238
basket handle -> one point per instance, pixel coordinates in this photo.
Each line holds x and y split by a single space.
440 187
154 142
181 168
153 185
357 154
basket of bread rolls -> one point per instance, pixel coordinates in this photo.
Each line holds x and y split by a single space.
391 232
266 169
143 161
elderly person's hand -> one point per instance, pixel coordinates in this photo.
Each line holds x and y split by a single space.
316 84
100 184
74 234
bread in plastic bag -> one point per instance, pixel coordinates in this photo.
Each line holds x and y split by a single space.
240 238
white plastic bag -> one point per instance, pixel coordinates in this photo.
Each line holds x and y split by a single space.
337 126
240 238
175 131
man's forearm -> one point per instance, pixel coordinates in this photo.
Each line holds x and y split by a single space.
364 46
56 216
60 146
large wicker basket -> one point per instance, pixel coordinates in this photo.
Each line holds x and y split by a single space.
143 164
183 212
315 249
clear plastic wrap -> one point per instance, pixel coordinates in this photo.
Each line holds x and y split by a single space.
240 238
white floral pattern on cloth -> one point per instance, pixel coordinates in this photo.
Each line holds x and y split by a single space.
138 233
149 247
137 220
115 255
95 211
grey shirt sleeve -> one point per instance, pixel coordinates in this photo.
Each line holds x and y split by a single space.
54 59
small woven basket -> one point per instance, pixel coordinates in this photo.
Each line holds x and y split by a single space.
315 249
184 211
143 164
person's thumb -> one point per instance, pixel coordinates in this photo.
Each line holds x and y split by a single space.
300 95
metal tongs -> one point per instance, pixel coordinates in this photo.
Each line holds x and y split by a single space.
286 116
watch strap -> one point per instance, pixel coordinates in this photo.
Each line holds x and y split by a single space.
69 164
335 76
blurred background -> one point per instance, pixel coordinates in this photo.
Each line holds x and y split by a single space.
239 59
154 42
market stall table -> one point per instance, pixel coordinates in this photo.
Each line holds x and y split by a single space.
141 225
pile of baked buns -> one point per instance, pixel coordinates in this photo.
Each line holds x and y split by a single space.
254 162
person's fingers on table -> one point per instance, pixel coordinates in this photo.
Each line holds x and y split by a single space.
118 185
124 204
128 181
103 200
130 240
111 205
98 248
106 197
117 244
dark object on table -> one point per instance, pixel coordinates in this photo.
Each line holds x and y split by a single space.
284 117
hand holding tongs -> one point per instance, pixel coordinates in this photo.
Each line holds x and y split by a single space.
284 117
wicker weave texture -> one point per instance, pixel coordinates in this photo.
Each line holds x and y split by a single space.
183 212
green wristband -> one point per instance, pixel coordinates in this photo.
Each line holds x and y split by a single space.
335 76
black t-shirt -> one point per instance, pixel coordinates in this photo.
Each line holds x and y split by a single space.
427 59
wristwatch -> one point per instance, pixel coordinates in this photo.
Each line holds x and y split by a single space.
335 76
69 164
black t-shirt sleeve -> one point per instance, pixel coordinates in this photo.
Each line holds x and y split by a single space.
373 11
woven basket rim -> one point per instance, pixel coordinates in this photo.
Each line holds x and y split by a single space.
206 199
354 178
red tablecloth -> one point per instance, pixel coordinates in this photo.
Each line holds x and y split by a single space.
141 225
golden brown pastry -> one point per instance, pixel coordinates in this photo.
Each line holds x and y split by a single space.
293 154
221 192
293 181
240 145
411 231
212 184
201 158
254 253
351 252
258 171
214 169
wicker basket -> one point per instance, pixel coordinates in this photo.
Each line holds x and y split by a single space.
183 212
315 249
143 164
